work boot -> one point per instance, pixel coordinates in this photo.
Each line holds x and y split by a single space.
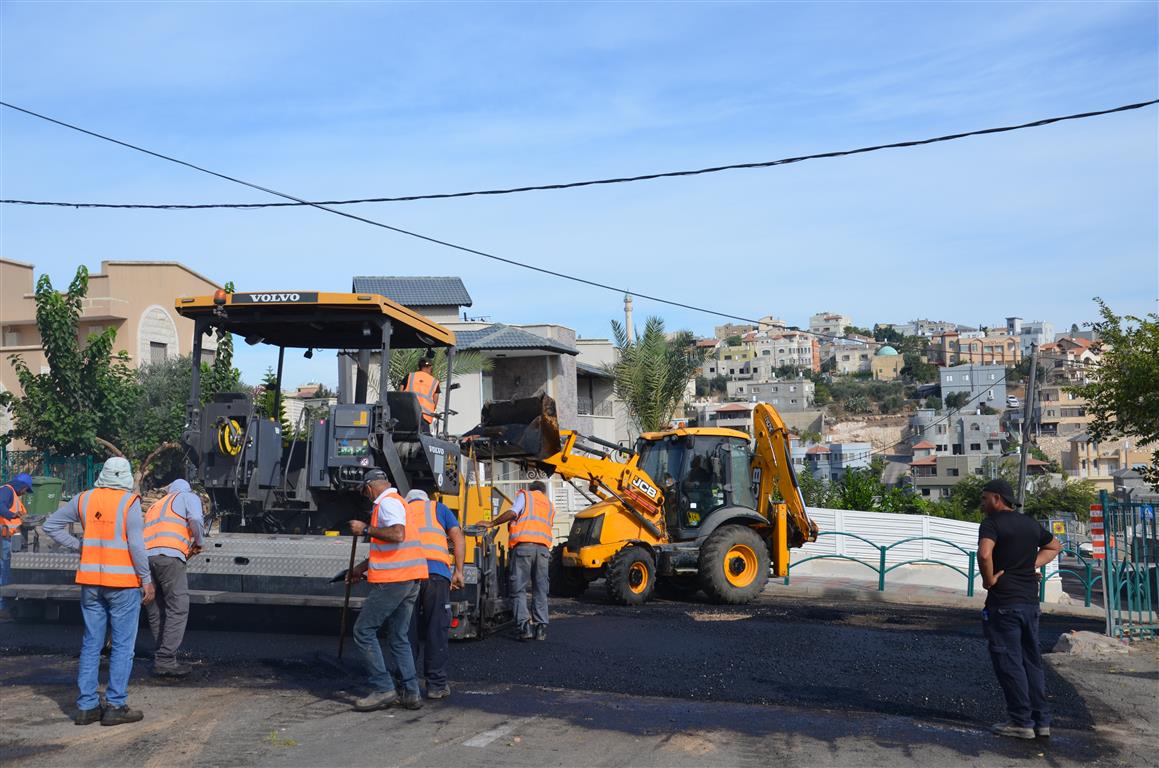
172 670
88 716
1042 731
1013 731
411 701
524 632
121 715
540 631
441 692
376 700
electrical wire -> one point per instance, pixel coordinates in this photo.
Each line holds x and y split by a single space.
587 183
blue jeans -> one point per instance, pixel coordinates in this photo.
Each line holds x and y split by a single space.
529 563
391 604
1012 635
107 608
5 565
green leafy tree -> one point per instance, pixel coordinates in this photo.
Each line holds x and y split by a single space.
822 395
1123 397
84 400
917 369
933 401
853 330
1045 499
652 372
733 341
404 362
957 399
221 376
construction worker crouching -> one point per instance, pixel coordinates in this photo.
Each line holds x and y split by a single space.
430 625
530 536
113 571
12 513
394 569
426 387
173 532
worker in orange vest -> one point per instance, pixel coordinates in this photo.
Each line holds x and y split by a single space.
173 532
430 625
115 581
426 387
12 511
530 537
394 569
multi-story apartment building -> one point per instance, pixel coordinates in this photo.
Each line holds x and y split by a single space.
1061 412
922 327
1072 359
957 433
1085 459
994 348
850 355
829 323
983 384
1037 332
830 461
784 395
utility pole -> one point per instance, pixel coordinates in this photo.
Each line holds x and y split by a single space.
1027 411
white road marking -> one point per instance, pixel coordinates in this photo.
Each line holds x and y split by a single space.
486 737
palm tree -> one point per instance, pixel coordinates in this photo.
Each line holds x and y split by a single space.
406 361
652 372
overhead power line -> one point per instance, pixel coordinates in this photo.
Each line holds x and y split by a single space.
588 183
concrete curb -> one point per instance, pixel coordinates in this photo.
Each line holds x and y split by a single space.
779 589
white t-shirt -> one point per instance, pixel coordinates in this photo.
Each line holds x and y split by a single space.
391 511
517 507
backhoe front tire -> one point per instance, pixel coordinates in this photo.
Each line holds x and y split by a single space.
631 576
734 565
564 581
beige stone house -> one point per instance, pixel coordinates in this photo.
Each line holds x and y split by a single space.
135 297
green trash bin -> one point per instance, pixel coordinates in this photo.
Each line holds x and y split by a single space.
45 497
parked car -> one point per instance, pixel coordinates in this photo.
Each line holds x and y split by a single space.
1013 402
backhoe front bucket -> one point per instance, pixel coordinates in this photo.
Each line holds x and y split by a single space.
527 428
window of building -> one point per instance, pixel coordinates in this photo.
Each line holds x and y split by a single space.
793 401
941 429
158 352
975 446
965 378
941 448
975 427
952 471
925 491
957 450
949 378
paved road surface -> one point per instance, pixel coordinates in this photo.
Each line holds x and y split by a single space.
806 681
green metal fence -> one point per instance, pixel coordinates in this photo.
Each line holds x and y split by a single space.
1131 568
1086 571
77 472
882 569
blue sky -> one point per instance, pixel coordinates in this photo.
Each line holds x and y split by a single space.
363 99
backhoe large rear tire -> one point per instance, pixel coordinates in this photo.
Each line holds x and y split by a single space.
631 576
734 565
562 580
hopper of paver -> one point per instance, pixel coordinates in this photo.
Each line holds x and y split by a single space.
527 428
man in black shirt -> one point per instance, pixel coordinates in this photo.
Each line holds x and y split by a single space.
1011 548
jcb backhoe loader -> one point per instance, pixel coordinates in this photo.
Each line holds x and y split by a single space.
688 509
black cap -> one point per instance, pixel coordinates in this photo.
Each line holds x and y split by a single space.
1002 488
374 475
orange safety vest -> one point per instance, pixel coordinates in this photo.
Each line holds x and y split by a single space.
105 560
392 561
10 526
432 536
166 528
424 385
533 526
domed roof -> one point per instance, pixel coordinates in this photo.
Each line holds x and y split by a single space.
887 351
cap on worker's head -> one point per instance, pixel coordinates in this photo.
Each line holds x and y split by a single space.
1002 488
374 476
22 482
417 494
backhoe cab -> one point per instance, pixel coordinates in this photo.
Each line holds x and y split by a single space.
687 510
264 480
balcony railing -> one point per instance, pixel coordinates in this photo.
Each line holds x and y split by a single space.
585 407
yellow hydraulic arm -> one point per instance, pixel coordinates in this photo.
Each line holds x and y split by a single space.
622 481
772 456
